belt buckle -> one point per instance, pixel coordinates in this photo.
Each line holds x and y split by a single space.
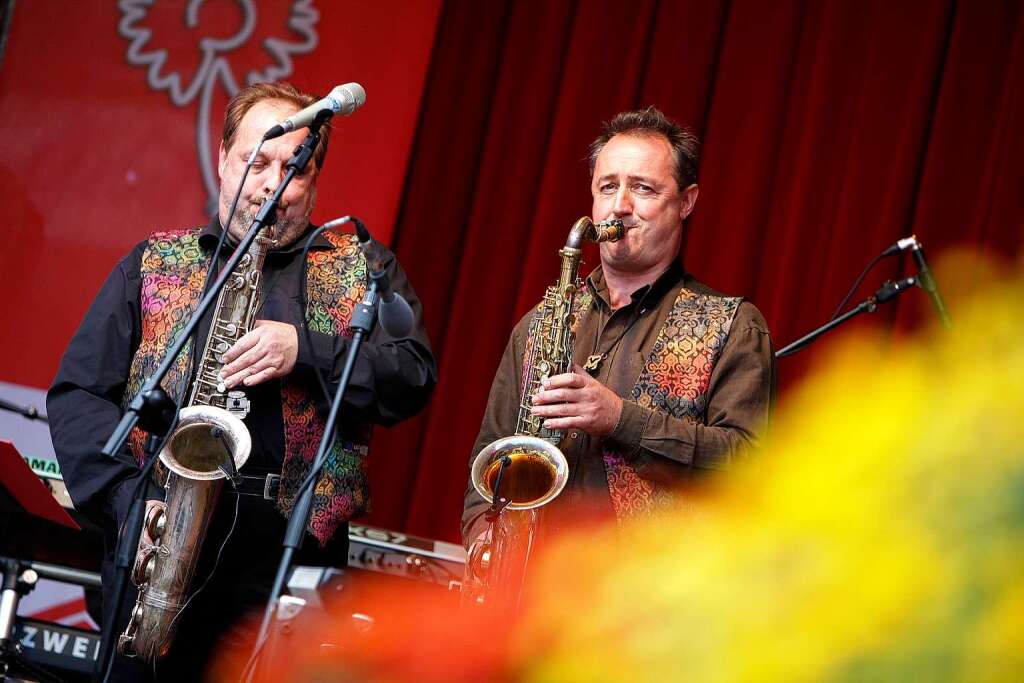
271 486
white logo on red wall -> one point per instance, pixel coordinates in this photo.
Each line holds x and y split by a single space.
255 50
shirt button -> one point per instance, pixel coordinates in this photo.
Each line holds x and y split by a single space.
573 434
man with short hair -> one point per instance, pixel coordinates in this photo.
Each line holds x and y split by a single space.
678 377
145 303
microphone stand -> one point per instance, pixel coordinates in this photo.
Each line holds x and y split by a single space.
361 323
152 409
28 412
887 292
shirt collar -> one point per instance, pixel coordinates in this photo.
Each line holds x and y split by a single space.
666 281
210 234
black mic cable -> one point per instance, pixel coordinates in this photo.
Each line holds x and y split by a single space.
899 247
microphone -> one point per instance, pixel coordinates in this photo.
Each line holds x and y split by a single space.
927 282
395 313
924 273
343 100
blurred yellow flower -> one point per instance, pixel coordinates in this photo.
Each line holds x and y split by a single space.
879 536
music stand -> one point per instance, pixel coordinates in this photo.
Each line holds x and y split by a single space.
23 497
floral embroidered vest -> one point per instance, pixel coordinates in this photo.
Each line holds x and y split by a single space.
173 271
674 380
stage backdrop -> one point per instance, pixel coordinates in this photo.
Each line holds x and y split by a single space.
830 130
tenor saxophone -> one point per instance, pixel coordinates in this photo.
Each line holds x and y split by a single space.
527 470
209 431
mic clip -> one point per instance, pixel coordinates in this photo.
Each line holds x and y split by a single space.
889 289
901 246
228 466
380 276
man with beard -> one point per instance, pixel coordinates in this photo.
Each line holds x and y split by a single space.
132 322
671 379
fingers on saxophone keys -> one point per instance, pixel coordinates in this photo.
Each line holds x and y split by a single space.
258 376
244 343
231 369
546 396
231 380
249 359
250 376
565 380
554 410
562 423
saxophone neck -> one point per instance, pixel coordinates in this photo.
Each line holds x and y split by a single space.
586 229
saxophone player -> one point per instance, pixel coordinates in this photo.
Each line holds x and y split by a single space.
131 323
671 379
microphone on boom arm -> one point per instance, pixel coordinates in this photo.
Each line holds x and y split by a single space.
924 273
395 313
343 100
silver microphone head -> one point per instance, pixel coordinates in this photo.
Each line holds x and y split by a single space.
349 97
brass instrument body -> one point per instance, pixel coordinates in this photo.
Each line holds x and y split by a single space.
209 430
535 469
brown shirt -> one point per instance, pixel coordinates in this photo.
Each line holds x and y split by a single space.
660 448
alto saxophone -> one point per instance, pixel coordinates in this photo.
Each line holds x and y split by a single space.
209 434
528 470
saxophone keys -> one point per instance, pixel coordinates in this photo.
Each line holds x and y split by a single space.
126 641
155 522
142 572
126 645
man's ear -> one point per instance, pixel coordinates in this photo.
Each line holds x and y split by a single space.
222 161
689 201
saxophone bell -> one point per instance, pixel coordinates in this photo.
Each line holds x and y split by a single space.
525 472
535 473
205 437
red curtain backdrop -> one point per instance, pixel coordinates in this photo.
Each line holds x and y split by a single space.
830 130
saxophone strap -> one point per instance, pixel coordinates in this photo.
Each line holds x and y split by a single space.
594 361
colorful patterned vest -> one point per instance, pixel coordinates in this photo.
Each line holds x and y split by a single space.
674 380
173 271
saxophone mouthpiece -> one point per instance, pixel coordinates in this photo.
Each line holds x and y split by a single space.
610 230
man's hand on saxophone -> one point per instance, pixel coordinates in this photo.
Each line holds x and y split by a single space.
266 352
575 400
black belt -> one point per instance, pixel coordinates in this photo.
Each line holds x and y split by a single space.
264 486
